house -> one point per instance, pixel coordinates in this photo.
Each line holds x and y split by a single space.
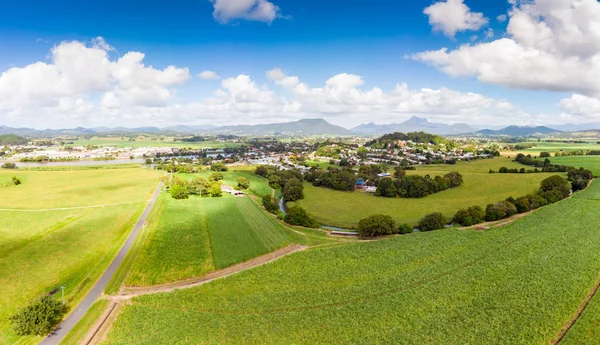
384 175
360 183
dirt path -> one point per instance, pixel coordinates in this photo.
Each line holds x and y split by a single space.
128 293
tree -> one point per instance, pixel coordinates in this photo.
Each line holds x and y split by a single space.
243 183
217 176
293 190
405 229
433 221
377 225
500 210
362 152
399 172
179 191
198 186
557 183
545 154
9 165
297 216
218 166
386 188
215 190
16 181
270 204
39 317
148 161
522 204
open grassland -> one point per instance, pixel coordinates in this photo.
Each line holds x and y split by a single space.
553 147
114 142
589 162
195 236
519 284
346 209
80 188
42 247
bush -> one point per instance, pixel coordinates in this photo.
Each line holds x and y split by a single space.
470 216
556 183
293 190
522 204
536 201
39 317
297 216
216 176
215 190
377 225
219 166
405 229
9 165
500 210
433 221
179 191
578 185
242 183
16 181
270 204
545 154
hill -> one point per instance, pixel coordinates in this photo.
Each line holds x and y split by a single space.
12 139
414 124
303 127
518 131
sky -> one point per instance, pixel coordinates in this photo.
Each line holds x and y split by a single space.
135 63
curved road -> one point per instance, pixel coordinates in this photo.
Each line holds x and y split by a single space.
80 310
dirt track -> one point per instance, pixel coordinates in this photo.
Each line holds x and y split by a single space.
127 293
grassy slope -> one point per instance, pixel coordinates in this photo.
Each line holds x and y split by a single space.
514 285
198 235
480 188
65 247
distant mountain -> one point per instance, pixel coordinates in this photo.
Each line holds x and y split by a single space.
414 124
305 127
518 131
576 127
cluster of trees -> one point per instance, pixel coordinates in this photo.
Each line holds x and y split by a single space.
288 181
580 178
334 178
381 225
297 216
552 189
182 188
271 204
39 317
9 165
545 164
391 140
416 186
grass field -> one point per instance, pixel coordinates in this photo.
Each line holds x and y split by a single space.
553 147
196 236
114 142
346 209
519 284
589 162
42 247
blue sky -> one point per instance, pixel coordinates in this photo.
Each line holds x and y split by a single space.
313 40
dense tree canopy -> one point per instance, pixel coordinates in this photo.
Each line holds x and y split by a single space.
377 225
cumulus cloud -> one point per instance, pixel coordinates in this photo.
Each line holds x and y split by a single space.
581 106
501 18
452 16
550 45
208 75
254 10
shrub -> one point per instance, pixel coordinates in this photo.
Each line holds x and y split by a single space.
536 201
433 221
293 190
215 190
377 225
9 165
39 317
544 154
16 181
297 216
470 216
578 185
242 183
522 204
270 204
500 210
552 196
217 176
219 166
179 191
556 183
405 229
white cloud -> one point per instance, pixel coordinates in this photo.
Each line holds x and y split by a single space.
452 16
501 18
489 33
208 75
254 10
551 45
580 106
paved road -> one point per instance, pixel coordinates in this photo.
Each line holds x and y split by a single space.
77 314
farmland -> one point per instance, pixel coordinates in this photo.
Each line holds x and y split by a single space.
554 147
589 162
167 142
195 236
345 209
450 286
63 228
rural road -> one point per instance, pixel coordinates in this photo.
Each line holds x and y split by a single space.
80 310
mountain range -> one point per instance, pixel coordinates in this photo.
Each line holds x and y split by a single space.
414 124
518 131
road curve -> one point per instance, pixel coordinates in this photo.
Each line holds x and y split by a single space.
81 309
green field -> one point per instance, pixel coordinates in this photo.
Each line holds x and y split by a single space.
54 231
345 209
196 236
553 147
258 185
519 284
589 162
114 142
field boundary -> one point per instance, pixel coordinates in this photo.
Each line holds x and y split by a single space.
130 292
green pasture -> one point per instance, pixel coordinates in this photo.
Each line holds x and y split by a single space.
195 236
519 284
346 209
589 162
115 142
42 247
553 147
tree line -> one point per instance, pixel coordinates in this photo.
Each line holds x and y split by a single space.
417 186
390 140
